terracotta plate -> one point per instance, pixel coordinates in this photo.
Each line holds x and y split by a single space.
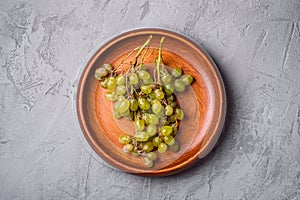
204 103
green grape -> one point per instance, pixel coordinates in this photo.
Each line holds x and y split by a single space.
174 147
153 101
166 130
121 79
139 124
107 66
100 73
162 147
153 119
134 153
151 130
156 107
116 114
120 89
172 118
171 97
173 104
147 89
124 139
179 85
151 155
179 114
168 110
161 113
148 81
123 106
130 116
169 140
152 95
144 75
148 146
166 79
127 148
156 141
146 118
187 79
133 104
169 88
148 162
103 83
120 97
111 96
176 72
159 94
133 78
111 83
143 104
164 121
126 114
141 136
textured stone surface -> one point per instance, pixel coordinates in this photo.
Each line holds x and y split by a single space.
256 45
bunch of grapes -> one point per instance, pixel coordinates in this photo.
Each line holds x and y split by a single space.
148 100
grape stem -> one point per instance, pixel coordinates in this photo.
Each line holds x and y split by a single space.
159 59
141 49
127 56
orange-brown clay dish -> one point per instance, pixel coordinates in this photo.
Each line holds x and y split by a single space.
204 103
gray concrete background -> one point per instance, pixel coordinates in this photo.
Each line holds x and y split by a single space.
256 45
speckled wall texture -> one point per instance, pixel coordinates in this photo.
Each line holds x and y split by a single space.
256 45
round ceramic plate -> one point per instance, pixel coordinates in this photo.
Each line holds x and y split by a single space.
204 103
